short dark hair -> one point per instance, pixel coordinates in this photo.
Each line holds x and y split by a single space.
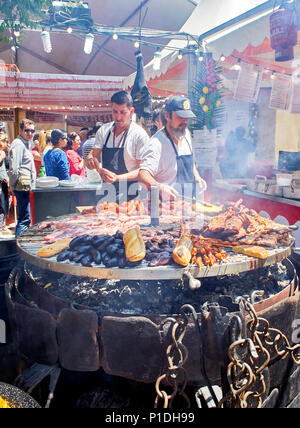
25 122
56 135
122 97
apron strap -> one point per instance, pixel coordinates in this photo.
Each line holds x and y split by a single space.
123 139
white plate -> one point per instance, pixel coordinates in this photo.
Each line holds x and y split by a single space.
46 185
67 183
47 182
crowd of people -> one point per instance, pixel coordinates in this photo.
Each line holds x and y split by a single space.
36 154
122 153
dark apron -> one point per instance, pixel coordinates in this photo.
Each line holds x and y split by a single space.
185 167
113 160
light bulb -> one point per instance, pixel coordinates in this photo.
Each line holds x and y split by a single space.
136 45
115 36
45 35
70 30
180 56
88 45
156 60
222 58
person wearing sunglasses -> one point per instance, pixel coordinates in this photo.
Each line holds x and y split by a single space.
22 172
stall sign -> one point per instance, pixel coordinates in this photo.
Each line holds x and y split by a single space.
281 92
7 115
248 84
41 117
205 148
295 104
90 120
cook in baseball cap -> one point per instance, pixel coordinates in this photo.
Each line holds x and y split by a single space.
181 106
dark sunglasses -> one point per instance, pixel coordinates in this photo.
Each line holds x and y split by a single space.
29 131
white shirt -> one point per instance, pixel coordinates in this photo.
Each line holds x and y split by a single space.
136 142
160 158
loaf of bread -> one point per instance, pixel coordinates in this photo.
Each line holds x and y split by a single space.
182 253
53 249
135 248
252 251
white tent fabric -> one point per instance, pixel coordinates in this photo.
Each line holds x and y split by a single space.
208 15
253 33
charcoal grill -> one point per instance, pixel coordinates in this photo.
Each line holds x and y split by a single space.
31 240
53 331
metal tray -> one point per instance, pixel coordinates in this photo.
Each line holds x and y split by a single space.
29 243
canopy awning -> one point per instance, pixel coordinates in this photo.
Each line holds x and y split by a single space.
58 92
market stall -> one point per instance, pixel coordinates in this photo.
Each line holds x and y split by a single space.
72 274
162 293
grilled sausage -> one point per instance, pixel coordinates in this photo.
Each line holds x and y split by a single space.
96 256
63 256
98 240
79 240
87 261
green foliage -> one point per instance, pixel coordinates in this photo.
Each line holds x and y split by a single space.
19 14
206 98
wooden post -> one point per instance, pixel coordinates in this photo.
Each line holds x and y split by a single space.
20 115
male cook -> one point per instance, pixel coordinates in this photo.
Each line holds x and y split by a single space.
168 161
119 145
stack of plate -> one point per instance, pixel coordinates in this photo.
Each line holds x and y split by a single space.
67 183
47 182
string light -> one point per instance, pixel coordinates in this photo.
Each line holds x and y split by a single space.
115 36
136 45
47 45
157 60
70 30
180 56
89 42
222 58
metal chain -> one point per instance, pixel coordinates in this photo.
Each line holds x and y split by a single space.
175 376
250 356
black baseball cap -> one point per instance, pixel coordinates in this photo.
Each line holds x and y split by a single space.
181 106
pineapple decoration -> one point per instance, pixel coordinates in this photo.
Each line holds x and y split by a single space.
207 95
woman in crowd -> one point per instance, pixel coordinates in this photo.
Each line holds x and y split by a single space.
76 162
56 161
36 152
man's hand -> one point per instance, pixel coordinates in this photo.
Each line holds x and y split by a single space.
202 184
167 191
91 163
108 176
